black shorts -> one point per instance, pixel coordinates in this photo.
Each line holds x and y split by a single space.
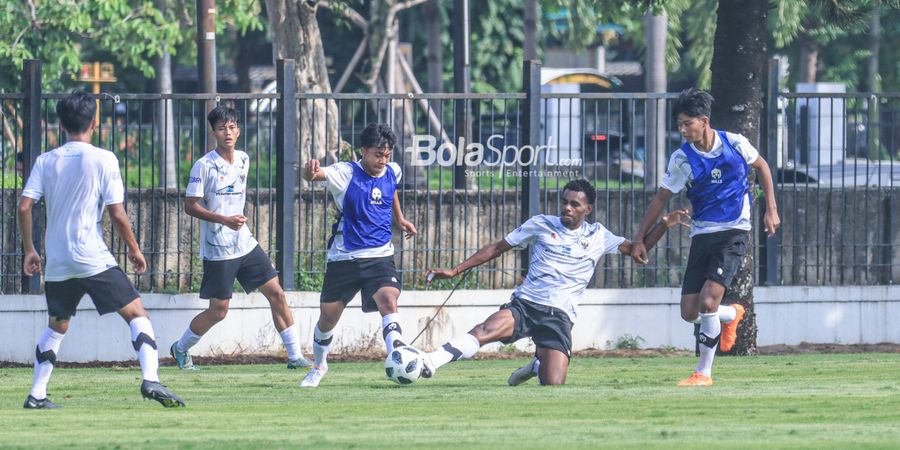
253 270
343 279
110 290
547 326
714 257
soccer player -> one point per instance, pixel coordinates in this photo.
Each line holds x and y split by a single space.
215 194
713 166
77 181
360 252
564 254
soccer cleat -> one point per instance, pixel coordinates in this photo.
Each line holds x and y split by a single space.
44 403
314 377
522 374
428 368
183 359
729 330
298 363
154 391
696 379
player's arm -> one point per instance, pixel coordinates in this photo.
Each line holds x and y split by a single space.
32 262
193 208
656 233
312 171
487 253
639 248
771 219
408 228
122 225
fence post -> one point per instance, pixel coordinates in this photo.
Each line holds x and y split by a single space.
768 252
31 87
531 133
286 172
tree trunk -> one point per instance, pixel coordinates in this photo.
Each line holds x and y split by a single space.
296 36
530 26
434 25
809 59
656 81
738 85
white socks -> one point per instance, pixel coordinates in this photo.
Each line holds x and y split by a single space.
727 313
144 342
291 338
463 346
188 340
710 329
321 341
393 334
45 357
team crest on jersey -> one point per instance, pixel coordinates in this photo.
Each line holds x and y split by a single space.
585 244
716 175
243 177
376 196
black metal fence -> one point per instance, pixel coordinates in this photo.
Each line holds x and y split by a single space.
519 150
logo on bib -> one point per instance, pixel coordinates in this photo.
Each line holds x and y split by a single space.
585 243
716 175
376 196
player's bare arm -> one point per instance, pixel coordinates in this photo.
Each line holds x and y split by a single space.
193 208
639 248
32 262
409 230
770 219
119 219
487 253
668 220
312 171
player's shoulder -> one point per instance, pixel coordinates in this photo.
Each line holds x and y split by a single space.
395 167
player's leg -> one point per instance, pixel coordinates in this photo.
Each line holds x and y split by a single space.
551 331
218 280
730 261
62 300
386 300
553 365
340 285
499 326
257 272
381 288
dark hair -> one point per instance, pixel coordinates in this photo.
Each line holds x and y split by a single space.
223 113
377 135
693 103
582 186
76 111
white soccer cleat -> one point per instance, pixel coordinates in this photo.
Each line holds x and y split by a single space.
314 377
522 374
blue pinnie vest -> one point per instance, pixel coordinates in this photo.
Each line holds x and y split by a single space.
719 184
367 210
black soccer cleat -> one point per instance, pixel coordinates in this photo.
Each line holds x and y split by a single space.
155 391
44 403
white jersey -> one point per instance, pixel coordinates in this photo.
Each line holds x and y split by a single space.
679 175
78 181
337 178
562 260
222 189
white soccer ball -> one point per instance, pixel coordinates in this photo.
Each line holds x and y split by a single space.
403 365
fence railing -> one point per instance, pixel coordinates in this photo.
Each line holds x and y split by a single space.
835 200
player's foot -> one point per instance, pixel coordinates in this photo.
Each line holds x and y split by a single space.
428 368
729 330
183 359
298 363
522 374
696 379
314 377
44 403
155 391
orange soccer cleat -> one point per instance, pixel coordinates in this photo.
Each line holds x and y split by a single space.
729 330
696 379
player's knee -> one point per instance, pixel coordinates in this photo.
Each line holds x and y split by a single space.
708 304
218 313
553 380
689 316
278 299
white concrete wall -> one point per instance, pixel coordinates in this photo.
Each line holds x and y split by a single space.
785 315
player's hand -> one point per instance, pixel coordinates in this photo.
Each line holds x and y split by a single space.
310 168
675 218
235 222
409 230
772 222
32 263
440 274
639 253
138 261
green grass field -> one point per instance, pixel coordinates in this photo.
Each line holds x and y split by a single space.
808 401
